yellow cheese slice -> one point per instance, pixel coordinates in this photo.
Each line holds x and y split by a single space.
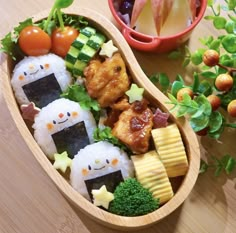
150 172
170 148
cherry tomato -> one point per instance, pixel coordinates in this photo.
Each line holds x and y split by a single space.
62 40
232 108
34 41
215 101
182 91
224 82
211 57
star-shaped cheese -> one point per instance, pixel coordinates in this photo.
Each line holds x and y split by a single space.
62 161
135 93
29 111
101 197
108 49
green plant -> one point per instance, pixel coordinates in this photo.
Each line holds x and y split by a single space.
216 76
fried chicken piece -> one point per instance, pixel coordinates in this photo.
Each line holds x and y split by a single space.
134 127
115 110
107 81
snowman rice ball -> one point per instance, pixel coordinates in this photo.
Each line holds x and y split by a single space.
63 126
99 164
40 79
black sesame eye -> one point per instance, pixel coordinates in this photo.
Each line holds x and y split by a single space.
25 73
107 161
89 167
41 67
68 114
54 122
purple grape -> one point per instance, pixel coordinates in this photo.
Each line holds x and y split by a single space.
126 7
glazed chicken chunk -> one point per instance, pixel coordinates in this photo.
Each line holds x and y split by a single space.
134 127
107 81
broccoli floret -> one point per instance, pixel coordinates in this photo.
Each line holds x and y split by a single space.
132 199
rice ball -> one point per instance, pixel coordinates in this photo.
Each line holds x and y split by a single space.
63 126
40 79
98 164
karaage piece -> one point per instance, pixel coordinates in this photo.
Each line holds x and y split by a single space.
134 127
107 81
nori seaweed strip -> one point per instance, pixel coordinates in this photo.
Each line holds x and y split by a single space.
111 180
43 91
71 139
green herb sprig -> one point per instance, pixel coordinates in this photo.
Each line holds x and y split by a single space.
225 164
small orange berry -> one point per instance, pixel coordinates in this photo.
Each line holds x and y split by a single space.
232 108
211 57
182 91
215 101
224 82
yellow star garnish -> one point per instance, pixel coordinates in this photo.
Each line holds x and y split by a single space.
101 197
135 93
108 49
62 161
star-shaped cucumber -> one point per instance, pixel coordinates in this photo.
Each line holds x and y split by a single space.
135 93
101 197
62 161
108 49
29 111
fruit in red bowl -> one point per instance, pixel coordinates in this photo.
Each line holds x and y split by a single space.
156 27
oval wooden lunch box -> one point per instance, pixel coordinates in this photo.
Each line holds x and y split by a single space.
155 96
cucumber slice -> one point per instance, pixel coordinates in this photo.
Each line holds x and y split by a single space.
95 41
88 31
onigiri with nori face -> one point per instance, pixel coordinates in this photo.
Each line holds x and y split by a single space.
40 79
63 126
99 164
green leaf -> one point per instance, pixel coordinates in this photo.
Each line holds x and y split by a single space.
196 57
196 82
229 43
179 78
205 88
199 123
154 79
186 61
210 3
215 122
230 165
78 93
175 54
172 99
176 86
203 167
105 134
21 26
199 112
231 4
215 44
209 74
219 22
164 82
202 101
230 26
182 110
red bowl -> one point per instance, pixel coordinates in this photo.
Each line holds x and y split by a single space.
157 44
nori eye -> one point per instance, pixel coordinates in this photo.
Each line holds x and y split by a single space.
89 167
54 122
25 73
41 67
68 114
107 161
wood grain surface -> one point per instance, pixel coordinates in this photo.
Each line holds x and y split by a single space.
31 203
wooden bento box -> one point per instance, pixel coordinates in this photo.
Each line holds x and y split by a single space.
182 186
